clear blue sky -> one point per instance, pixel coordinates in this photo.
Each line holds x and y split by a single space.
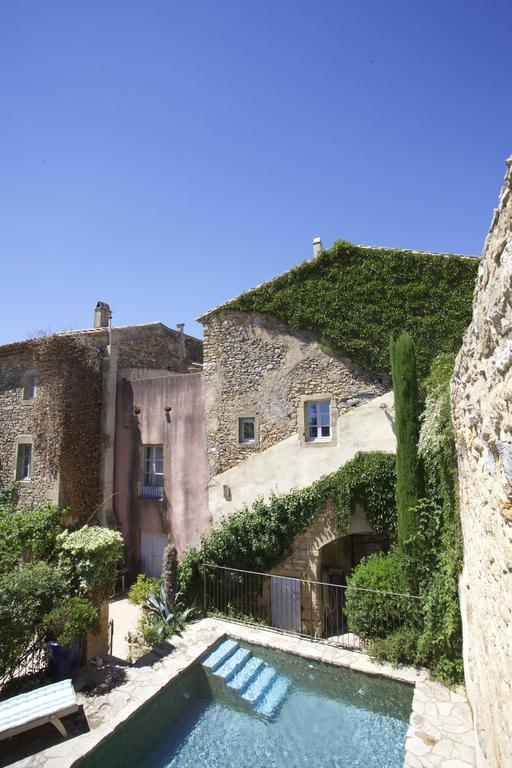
164 156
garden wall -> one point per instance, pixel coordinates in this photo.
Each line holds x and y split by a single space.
482 411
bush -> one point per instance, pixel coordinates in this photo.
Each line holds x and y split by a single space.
371 614
398 648
89 558
28 534
27 595
71 620
142 588
368 479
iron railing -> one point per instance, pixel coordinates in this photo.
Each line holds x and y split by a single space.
32 661
319 610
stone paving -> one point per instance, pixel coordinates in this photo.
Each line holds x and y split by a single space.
440 733
441 728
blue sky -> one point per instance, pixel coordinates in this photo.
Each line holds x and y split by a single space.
165 156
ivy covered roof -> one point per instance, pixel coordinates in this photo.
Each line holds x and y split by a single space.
353 298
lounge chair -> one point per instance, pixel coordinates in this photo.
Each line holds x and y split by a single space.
44 705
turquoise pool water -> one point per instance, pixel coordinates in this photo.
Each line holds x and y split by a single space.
330 718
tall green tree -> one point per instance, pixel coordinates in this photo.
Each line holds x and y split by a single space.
409 474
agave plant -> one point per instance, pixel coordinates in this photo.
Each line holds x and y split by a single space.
166 618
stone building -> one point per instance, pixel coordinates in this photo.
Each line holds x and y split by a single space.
65 390
281 410
482 413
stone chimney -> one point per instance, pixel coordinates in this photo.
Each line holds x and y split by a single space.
317 246
181 341
102 314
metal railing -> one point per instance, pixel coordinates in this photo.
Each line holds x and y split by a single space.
33 661
341 615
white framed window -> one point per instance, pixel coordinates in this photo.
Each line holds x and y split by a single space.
247 430
318 420
152 472
24 462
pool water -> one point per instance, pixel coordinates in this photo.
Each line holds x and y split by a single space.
331 717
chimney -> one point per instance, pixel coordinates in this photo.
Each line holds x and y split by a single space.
181 341
317 246
102 315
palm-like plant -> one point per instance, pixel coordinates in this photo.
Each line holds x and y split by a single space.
168 618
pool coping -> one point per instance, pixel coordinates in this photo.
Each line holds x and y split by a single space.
143 684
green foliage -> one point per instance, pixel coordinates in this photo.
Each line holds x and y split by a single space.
368 479
27 594
170 572
397 648
259 537
28 534
163 619
408 469
8 496
354 298
71 620
142 588
370 613
89 557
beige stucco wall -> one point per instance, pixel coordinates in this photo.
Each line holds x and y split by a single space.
290 464
482 411
256 366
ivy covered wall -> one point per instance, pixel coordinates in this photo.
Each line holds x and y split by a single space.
354 297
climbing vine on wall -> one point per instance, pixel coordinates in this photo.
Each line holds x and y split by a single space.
353 298
260 536
66 418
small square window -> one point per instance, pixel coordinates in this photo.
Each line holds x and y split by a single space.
24 462
318 420
247 430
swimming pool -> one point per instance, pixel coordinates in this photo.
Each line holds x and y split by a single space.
328 716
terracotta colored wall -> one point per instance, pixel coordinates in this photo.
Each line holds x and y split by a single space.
183 512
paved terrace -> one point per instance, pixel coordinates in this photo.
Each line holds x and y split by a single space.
440 731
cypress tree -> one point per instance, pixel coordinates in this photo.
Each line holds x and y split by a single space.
409 475
170 573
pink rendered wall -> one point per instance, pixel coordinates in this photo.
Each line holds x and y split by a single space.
183 512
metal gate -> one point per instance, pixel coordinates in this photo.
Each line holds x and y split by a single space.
285 603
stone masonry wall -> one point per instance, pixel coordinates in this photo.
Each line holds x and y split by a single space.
256 366
15 422
482 411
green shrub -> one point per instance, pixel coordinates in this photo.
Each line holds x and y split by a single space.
397 648
142 588
8 496
409 486
27 594
371 614
71 620
89 558
28 534
353 298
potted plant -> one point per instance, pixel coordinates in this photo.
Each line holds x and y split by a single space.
65 628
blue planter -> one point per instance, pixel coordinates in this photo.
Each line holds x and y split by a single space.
63 660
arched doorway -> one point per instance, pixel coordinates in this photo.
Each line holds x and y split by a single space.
338 558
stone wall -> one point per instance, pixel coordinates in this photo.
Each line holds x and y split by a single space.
16 423
256 366
482 411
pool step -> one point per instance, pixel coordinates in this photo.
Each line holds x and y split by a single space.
257 683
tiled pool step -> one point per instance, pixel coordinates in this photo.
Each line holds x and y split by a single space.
251 678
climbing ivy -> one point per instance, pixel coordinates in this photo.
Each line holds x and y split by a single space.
258 537
352 298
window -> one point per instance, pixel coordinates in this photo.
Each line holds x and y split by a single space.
30 387
318 420
247 430
24 462
152 480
